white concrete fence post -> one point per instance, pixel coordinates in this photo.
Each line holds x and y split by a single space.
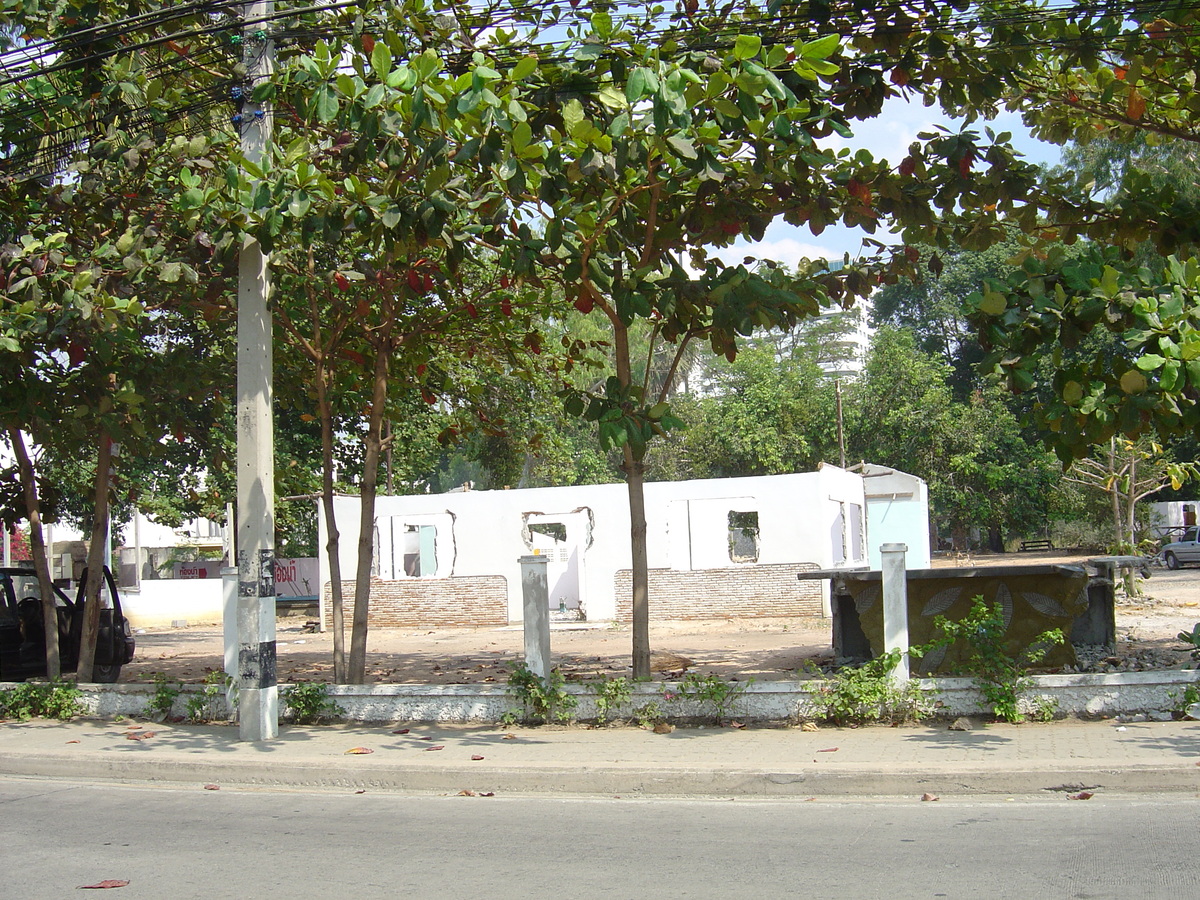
535 592
895 607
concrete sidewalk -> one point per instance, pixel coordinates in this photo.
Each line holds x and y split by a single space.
1064 757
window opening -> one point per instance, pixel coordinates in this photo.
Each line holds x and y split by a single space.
743 536
420 550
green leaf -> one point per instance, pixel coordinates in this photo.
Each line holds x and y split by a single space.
381 60
525 67
325 104
682 145
746 46
820 48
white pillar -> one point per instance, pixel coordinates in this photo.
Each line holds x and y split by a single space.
895 606
258 695
535 593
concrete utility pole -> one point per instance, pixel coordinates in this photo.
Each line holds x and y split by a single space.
258 694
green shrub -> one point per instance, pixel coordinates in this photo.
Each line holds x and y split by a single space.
309 703
868 693
205 706
540 699
999 676
711 691
162 701
55 700
610 695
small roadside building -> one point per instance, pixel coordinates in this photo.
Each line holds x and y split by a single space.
717 548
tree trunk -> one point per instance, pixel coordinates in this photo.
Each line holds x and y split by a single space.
95 576
37 545
1114 490
635 481
332 546
634 472
372 445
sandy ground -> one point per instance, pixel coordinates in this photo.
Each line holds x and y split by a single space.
758 648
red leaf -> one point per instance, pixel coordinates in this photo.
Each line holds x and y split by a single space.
342 282
476 757
402 730
899 77
828 750
436 747
368 44
72 742
1082 795
103 885
907 166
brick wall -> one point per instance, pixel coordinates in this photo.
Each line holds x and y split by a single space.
426 602
750 591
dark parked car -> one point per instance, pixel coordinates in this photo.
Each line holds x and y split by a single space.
23 635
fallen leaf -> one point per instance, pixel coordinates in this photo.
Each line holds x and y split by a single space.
149 734
509 737
72 742
133 727
476 757
487 793
809 726
136 737
737 724
828 750
435 747
103 885
212 787
664 728
466 793
359 751
929 797
1082 795
360 791
401 731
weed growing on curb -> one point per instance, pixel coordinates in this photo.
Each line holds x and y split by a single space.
1183 702
999 676
648 715
309 703
718 694
160 704
54 700
541 699
868 693
203 707
610 695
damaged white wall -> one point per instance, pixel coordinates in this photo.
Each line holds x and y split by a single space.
817 518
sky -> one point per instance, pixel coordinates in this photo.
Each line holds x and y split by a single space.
888 137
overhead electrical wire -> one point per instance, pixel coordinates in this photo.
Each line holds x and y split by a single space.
786 25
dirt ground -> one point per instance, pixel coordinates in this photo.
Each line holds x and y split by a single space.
760 648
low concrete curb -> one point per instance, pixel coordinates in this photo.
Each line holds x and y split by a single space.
1153 693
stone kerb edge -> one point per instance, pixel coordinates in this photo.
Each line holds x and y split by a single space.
759 701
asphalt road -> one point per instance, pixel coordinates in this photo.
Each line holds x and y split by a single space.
56 837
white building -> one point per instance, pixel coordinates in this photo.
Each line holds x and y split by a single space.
717 547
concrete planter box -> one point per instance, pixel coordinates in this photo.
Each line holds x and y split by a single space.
760 702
